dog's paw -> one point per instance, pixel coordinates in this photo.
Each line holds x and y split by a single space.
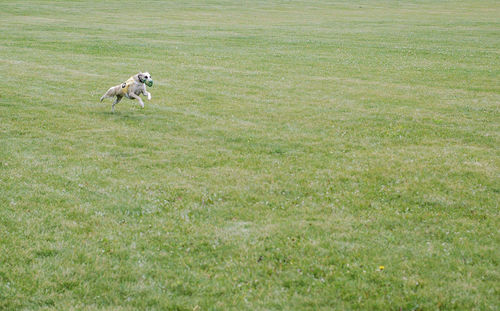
149 96
142 105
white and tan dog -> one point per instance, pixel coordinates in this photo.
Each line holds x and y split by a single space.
132 88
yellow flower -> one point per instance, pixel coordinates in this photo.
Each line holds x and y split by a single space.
381 268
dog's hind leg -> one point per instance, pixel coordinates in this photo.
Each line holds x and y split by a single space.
110 93
117 100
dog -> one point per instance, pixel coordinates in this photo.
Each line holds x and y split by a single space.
132 88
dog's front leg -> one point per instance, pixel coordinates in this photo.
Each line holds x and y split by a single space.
138 98
146 92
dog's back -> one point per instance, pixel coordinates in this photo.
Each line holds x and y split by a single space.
119 90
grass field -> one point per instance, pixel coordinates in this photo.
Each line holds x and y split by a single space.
295 155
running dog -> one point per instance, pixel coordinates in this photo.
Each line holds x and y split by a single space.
132 88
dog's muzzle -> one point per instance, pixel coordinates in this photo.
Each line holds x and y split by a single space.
149 82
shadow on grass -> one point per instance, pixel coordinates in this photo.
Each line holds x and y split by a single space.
133 114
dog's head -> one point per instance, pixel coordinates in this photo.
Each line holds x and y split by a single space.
145 78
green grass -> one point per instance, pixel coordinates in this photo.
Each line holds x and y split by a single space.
290 149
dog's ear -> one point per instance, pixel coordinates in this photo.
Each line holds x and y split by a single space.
140 76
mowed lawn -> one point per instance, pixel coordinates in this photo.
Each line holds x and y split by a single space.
295 155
